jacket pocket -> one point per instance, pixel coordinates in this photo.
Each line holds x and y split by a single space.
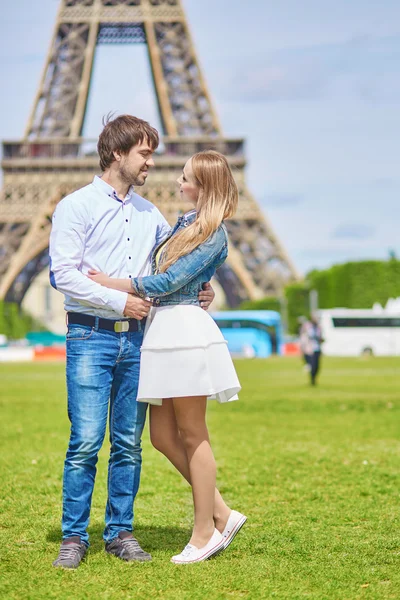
190 289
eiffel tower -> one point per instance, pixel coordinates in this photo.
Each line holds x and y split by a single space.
53 159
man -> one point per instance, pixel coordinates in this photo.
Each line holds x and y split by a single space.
310 343
108 227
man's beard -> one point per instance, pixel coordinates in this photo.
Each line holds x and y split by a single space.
130 178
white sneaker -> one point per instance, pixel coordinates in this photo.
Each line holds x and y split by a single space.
235 522
191 554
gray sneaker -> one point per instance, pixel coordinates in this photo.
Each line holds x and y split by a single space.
71 553
126 547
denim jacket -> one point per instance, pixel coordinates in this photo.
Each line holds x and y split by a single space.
183 280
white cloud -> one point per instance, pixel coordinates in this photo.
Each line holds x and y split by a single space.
354 231
281 200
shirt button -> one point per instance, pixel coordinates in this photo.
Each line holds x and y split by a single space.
130 276
129 258
126 220
129 239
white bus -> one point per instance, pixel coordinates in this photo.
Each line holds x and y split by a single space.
354 332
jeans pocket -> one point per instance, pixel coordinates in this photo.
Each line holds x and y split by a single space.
79 332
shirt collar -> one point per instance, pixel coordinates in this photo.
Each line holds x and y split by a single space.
110 191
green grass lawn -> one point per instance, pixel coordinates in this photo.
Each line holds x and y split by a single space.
316 470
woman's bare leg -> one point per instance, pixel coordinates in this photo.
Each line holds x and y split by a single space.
164 435
190 413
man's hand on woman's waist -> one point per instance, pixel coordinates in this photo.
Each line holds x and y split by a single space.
206 296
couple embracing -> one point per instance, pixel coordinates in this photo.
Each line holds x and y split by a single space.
135 293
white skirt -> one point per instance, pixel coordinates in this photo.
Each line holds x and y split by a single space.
185 354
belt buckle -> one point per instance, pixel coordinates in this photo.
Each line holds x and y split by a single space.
121 326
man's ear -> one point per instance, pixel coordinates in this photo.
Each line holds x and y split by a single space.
117 156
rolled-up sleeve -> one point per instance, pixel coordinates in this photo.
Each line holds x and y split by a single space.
67 245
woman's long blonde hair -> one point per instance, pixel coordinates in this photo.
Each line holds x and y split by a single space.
218 199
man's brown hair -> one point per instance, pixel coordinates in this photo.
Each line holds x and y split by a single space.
121 134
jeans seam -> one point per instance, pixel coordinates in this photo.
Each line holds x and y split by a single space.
120 356
111 462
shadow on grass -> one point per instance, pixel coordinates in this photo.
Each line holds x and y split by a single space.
150 537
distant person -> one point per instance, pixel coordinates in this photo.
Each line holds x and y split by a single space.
310 343
185 360
301 320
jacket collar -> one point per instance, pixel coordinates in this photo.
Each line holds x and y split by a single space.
189 217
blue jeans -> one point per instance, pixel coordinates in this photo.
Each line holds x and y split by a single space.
102 380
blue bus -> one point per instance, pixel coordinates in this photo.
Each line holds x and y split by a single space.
251 332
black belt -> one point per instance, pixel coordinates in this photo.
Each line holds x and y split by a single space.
117 326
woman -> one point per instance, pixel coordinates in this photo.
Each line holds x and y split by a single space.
185 360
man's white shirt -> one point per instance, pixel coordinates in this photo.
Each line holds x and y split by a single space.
94 229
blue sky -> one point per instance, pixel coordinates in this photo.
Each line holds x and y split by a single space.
313 87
